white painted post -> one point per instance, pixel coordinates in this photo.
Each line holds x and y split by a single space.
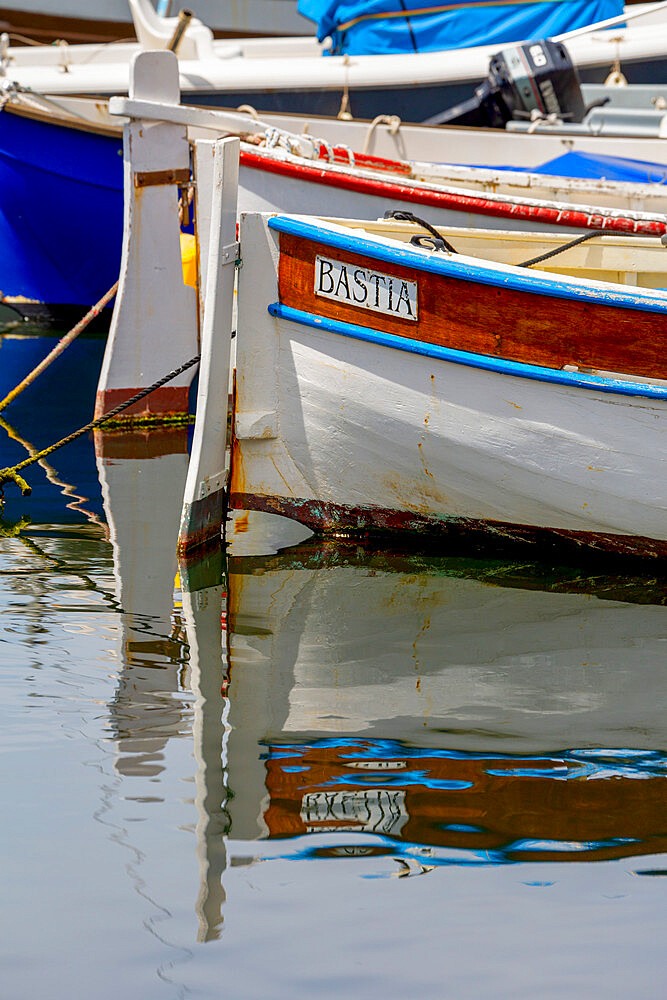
205 488
154 324
203 159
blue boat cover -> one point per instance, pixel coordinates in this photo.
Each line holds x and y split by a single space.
610 168
362 27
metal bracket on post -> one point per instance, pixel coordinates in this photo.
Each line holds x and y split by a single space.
212 484
229 254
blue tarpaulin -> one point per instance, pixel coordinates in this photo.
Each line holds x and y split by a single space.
385 26
599 167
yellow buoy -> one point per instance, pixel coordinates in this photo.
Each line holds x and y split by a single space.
189 259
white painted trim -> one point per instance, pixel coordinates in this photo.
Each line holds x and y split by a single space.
209 443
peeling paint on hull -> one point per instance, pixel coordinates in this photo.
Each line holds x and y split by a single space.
329 519
166 401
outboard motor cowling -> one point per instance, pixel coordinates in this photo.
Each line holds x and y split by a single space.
525 81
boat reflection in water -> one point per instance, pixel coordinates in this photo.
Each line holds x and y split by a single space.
416 711
555 808
203 616
472 712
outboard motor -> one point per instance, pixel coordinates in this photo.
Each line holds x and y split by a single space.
525 81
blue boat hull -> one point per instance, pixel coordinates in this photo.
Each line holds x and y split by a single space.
61 213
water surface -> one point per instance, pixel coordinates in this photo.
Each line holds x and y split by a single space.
316 773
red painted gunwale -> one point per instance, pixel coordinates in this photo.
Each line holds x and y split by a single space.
448 199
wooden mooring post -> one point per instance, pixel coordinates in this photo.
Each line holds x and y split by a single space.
154 324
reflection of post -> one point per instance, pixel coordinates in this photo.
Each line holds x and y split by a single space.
267 616
202 607
142 478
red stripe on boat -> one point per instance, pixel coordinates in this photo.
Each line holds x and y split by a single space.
168 399
344 155
457 201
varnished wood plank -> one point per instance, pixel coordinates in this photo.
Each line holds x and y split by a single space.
501 322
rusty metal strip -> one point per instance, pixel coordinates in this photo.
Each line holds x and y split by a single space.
153 178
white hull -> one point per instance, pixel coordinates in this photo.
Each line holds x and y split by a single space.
550 198
445 145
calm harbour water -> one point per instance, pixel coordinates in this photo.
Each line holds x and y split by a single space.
316 773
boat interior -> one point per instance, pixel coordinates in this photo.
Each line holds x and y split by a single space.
637 261
603 193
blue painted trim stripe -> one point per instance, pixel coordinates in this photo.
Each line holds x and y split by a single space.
557 376
433 10
449 267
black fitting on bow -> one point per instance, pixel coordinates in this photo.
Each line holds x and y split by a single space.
399 215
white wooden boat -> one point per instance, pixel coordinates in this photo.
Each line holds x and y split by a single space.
291 75
382 387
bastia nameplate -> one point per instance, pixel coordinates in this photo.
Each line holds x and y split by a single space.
365 288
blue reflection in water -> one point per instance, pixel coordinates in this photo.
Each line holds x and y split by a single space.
403 780
612 763
65 486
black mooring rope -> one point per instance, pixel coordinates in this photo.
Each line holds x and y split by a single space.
565 246
402 216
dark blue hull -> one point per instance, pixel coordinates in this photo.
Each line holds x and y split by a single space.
61 212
